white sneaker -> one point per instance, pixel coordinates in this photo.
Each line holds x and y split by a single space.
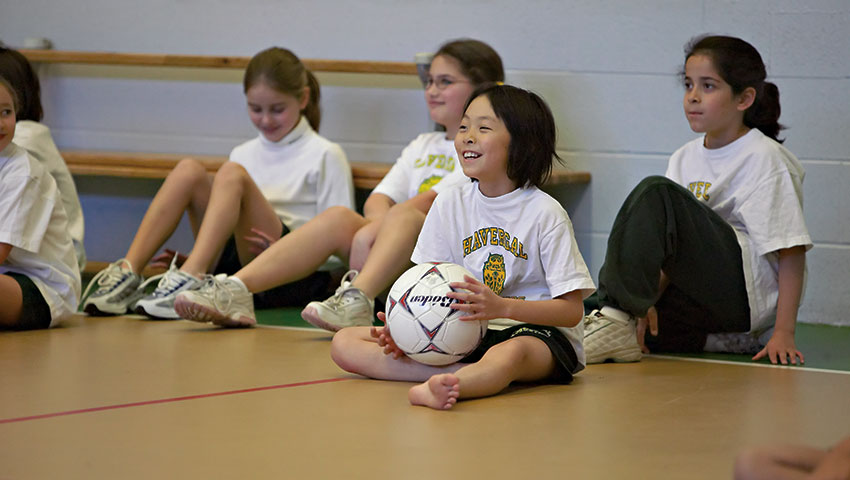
348 307
117 288
160 303
222 300
610 334
744 343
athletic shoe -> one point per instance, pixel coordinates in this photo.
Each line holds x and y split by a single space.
160 303
117 288
610 334
348 307
222 300
744 343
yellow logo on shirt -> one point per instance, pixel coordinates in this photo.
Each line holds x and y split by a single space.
429 183
441 162
494 273
493 236
700 190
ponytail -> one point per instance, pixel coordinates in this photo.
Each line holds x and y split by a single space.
311 111
764 112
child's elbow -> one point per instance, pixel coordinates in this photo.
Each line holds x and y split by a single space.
573 308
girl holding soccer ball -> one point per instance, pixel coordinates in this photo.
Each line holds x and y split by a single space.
533 300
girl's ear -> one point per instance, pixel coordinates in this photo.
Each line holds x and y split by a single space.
746 99
305 98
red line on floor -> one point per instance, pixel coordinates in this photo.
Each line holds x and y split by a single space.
168 400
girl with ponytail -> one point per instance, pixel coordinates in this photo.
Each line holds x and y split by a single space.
272 185
712 255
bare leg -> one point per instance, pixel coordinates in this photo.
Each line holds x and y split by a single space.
13 301
355 351
187 188
302 251
524 359
786 462
390 255
235 205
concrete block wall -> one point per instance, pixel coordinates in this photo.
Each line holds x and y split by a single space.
608 69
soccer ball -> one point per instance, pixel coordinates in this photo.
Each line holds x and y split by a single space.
420 320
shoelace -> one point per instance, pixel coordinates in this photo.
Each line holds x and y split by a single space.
109 277
344 286
593 317
214 288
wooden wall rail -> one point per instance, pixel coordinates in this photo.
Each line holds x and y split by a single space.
366 175
209 61
157 165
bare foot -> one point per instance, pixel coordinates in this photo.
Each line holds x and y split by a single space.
439 392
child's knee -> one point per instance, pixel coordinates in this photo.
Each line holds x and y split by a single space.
510 353
231 172
403 213
189 168
344 343
338 215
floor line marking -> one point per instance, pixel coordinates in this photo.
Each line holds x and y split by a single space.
752 364
168 400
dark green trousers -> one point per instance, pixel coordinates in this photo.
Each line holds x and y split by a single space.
663 227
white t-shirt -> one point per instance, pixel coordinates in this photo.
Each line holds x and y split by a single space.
301 176
428 162
756 185
36 139
33 221
520 244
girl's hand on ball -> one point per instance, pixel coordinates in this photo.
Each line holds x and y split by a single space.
478 301
384 339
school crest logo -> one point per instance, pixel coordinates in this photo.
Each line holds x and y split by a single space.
429 182
494 273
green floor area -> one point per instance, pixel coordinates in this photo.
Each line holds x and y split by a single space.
823 346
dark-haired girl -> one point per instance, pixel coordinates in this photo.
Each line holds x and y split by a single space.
711 256
35 138
506 143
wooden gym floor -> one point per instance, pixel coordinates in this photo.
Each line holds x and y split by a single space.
125 397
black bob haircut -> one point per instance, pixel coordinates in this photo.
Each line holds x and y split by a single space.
532 128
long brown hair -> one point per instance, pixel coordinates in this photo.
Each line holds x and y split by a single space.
281 70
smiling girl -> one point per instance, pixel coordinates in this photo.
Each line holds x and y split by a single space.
507 143
272 185
712 256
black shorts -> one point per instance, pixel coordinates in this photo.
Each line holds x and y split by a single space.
35 313
316 286
566 360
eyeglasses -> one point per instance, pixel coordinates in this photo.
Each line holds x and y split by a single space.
442 82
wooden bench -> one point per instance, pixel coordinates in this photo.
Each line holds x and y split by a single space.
366 175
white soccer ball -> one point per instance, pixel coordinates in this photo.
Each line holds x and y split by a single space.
420 320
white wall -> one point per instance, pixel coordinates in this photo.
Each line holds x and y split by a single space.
607 68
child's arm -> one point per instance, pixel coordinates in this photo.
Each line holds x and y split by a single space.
376 205
482 304
792 264
5 248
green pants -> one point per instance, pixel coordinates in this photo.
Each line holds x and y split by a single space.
663 227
